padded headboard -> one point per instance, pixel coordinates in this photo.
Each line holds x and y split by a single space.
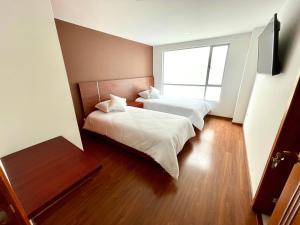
93 92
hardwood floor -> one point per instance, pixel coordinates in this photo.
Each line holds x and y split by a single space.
212 189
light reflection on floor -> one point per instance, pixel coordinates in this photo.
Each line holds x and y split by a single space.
201 157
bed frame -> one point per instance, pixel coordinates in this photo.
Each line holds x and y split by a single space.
92 92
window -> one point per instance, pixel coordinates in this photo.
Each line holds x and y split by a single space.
196 72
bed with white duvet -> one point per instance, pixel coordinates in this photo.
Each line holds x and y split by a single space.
193 109
158 135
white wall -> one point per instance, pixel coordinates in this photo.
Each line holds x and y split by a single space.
35 98
270 95
233 72
248 78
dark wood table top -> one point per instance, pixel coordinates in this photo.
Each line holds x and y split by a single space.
135 104
43 173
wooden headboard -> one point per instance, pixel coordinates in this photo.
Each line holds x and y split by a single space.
93 92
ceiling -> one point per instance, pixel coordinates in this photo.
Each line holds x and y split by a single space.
157 22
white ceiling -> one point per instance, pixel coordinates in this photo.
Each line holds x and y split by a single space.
157 22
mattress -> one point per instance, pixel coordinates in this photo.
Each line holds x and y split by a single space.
193 109
158 135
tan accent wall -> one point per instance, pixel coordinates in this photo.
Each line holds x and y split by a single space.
93 55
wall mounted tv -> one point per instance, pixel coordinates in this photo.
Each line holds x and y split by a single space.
268 41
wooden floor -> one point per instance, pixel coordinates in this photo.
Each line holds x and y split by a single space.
212 189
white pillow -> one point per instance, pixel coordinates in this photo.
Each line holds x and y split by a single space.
117 104
144 94
103 106
154 93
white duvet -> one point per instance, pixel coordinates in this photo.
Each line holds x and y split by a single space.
159 135
194 109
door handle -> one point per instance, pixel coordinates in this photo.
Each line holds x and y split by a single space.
277 159
280 156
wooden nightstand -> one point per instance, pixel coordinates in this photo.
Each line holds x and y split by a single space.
135 104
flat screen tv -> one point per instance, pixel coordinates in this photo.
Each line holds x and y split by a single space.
268 59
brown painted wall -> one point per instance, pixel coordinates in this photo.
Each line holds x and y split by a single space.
93 55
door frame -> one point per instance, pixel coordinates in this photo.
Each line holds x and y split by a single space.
288 205
273 181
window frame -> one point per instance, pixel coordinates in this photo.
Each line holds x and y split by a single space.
207 72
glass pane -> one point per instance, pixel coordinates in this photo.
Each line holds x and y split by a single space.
188 66
184 91
218 60
213 93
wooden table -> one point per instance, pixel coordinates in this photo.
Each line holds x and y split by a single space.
135 104
43 173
